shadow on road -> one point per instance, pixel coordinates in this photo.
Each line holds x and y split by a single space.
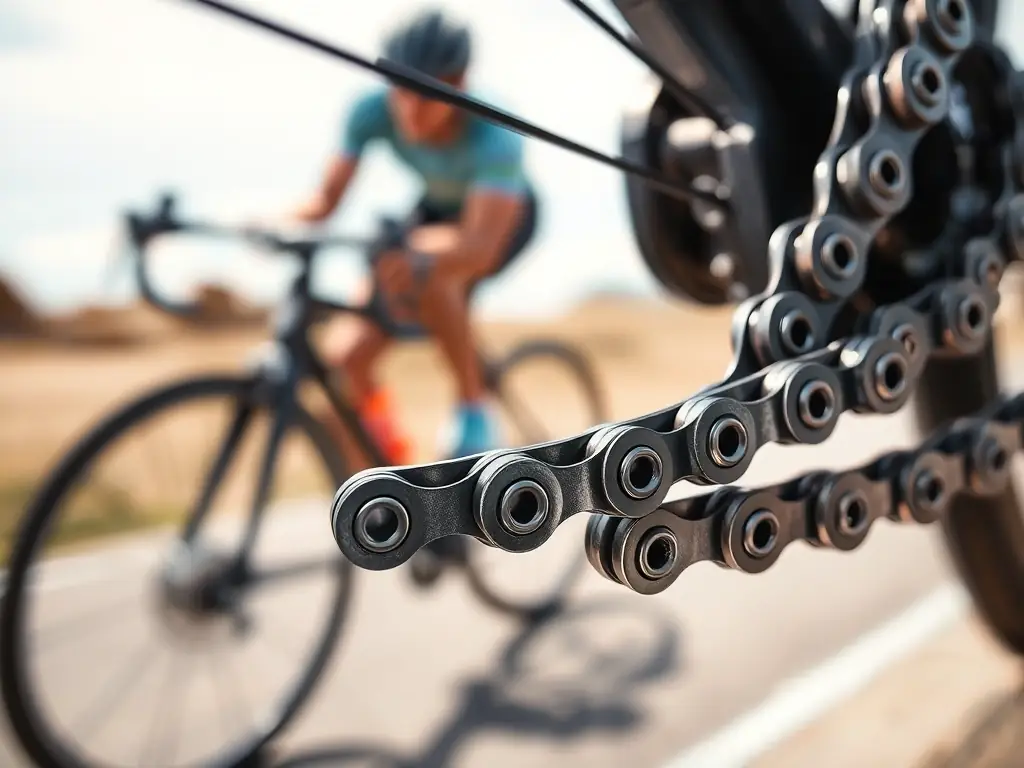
995 739
561 678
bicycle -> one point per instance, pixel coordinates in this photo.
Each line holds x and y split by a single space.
200 583
765 112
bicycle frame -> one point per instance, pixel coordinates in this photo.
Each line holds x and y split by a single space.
280 368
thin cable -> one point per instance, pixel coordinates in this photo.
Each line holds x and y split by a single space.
439 91
688 99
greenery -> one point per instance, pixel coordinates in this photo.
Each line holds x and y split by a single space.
101 509
96 511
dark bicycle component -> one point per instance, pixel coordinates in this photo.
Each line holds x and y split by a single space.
826 510
760 533
817 403
517 502
524 507
657 553
381 525
728 56
727 442
852 513
641 472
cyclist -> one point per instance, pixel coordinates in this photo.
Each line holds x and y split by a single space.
477 212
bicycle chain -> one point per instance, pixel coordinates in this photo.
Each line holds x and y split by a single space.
747 529
799 362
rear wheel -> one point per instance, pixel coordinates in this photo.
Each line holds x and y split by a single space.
985 535
546 391
131 631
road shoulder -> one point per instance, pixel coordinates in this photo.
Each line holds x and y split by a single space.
951 703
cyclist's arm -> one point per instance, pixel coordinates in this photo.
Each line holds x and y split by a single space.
494 204
367 120
332 188
489 220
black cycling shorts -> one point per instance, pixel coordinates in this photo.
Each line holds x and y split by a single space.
422 214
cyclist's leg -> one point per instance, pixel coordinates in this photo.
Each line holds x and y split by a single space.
523 235
353 348
445 312
453 309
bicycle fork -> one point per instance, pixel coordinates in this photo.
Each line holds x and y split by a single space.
275 388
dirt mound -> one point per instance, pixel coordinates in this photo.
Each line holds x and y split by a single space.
16 317
141 323
220 308
109 326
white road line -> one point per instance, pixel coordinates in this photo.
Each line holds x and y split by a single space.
805 697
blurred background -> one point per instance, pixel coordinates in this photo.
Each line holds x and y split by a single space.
105 103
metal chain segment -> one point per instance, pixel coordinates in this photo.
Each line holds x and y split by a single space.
748 529
791 376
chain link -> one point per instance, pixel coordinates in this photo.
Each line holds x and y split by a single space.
805 351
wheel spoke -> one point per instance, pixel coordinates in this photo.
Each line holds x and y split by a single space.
155 747
115 692
288 571
75 627
224 668
280 647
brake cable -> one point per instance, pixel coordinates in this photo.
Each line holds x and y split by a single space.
689 100
435 89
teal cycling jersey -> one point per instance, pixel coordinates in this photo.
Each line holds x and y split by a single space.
484 157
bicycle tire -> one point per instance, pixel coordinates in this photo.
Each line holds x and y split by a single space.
584 375
984 537
39 740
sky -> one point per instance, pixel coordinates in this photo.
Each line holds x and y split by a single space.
105 102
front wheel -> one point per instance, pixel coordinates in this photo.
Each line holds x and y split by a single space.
131 630
546 390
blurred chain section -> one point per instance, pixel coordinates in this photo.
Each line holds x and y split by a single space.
806 350
748 529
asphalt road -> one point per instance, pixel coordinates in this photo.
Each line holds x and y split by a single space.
437 679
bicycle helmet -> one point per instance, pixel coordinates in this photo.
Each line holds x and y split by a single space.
430 43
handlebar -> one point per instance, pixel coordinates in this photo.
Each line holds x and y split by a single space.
142 228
